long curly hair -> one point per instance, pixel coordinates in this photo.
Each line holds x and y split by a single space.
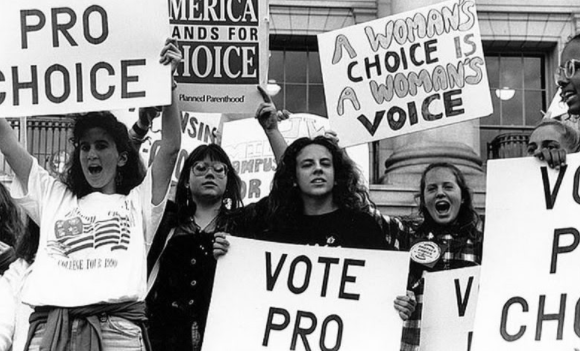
468 221
11 226
128 176
232 198
285 202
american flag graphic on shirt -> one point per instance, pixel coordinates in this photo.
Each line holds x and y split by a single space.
78 232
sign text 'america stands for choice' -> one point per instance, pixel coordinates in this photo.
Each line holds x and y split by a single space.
62 57
225 53
405 73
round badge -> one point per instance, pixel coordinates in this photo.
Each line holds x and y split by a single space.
425 252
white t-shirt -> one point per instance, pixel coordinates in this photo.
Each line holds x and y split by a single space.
92 249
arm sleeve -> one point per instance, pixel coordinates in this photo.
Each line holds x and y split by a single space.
152 214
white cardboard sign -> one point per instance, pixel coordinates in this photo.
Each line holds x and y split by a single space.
405 73
266 298
62 56
529 290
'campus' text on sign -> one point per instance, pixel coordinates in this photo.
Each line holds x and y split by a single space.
64 57
405 73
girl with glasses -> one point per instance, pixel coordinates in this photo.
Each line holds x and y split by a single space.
182 266
208 190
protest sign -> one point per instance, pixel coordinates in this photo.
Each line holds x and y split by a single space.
529 291
63 57
225 53
196 129
270 296
405 73
247 146
449 304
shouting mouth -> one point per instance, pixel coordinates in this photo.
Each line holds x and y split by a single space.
442 207
95 169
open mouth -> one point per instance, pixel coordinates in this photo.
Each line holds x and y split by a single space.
95 169
442 207
318 181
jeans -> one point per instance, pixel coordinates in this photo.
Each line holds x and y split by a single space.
117 334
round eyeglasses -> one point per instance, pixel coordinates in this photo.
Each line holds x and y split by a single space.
201 168
566 71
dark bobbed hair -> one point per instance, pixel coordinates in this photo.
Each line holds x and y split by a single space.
27 244
570 136
285 202
467 220
128 176
11 226
232 198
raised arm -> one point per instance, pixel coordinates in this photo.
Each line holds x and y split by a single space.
15 154
166 157
268 117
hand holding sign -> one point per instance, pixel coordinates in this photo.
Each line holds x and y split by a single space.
554 157
170 54
405 305
220 244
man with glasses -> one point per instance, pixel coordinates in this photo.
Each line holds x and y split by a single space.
568 75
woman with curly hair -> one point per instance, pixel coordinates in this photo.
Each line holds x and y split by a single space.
317 198
450 225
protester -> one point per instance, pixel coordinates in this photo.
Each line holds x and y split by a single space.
11 228
568 75
208 189
90 269
551 140
317 198
450 225
14 323
181 263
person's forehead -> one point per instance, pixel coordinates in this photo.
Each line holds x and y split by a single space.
546 133
440 175
314 151
96 133
571 51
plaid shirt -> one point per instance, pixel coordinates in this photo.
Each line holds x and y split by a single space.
459 252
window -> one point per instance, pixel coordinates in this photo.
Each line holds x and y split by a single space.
295 68
517 85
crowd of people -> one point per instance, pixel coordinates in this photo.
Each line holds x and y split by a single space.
153 285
